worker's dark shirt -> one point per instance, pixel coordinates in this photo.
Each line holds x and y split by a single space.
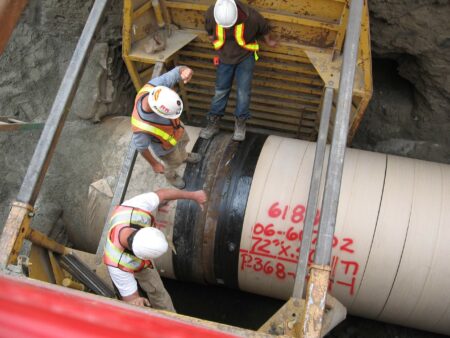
255 26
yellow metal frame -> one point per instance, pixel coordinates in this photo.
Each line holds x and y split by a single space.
328 65
16 228
140 63
288 79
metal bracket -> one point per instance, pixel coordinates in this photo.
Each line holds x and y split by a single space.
287 320
21 269
15 231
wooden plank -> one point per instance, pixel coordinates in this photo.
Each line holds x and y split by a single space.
283 47
281 16
177 41
310 99
253 106
207 47
313 81
286 17
206 54
256 112
188 5
254 121
266 66
256 98
286 31
267 82
308 123
306 68
325 10
229 125
141 10
288 67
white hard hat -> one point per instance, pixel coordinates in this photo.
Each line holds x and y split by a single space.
165 102
149 243
225 13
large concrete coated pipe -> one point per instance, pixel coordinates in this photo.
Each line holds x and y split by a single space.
391 245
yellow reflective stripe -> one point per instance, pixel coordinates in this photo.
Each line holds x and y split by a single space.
142 213
131 216
253 47
238 32
121 221
146 89
239 36
115 255
130 212
155 131
217 44
120 217
220 37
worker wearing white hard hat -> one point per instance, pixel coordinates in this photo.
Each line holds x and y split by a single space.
225 13
133 243
158 133
234 28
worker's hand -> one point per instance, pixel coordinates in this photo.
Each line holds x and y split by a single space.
186 73
164 207
139 301
158 168
270 41
200 197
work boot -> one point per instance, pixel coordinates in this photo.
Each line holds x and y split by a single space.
193 158
177 181
212 127
239 129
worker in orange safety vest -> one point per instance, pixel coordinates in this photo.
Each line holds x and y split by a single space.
157 131
233 27
133 242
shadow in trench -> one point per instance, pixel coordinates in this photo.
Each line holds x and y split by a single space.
217 304
250 311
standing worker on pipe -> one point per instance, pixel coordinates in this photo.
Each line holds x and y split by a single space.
233 28
133 242
157 129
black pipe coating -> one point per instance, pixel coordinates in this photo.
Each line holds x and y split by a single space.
207 243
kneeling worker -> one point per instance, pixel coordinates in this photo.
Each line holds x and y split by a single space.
133 242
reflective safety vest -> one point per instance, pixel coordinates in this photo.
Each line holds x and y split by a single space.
115 254
238 35
167 134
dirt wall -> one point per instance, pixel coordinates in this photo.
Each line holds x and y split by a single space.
409 114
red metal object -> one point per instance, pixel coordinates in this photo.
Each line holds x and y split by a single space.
34 309
10 11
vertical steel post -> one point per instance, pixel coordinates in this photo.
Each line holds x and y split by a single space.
43 153
124 178
320 271
61 105
313 197
339 140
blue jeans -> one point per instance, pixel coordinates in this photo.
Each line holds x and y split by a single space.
224 80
